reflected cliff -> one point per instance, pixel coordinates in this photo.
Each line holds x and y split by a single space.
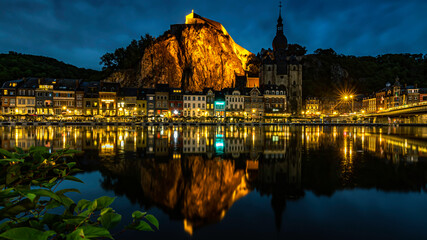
196 174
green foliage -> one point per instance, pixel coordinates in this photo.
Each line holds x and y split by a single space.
325 72
28 183
15 65
126 58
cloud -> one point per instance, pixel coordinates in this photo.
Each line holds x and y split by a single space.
80 32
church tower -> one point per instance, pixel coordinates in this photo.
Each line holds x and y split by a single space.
281 70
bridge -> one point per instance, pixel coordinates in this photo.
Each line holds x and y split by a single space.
403 111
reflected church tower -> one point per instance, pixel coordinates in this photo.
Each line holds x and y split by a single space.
281 70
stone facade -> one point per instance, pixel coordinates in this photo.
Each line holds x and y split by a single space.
281 70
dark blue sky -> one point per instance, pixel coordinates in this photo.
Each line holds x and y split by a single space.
79 32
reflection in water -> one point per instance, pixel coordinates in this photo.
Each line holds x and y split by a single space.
195 174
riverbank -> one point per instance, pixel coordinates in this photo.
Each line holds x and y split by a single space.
199 124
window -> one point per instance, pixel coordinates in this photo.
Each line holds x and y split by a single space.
203 98
194 98
198 98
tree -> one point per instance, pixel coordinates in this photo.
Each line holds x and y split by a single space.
296 50
126 58
29 201
328 52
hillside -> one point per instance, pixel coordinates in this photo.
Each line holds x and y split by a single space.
325 72
16 65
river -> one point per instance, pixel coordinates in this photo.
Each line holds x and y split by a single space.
269 182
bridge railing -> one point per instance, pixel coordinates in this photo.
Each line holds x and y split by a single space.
403 107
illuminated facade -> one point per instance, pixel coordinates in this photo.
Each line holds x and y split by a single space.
175 102
312 106
8 93
219 105
64 96
44 96
194 105
141 102
91 98
275 104
161 100
25 98
254 103
127 102
210 101
108 98
234 103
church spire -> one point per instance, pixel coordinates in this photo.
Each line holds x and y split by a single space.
280 20
280 41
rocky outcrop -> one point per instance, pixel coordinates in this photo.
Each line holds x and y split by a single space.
192 56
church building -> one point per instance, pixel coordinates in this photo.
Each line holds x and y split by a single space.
278 69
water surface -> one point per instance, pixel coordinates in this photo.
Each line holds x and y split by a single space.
266 182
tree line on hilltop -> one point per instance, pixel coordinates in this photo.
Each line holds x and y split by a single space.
324 72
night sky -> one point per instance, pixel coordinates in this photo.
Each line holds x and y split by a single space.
79 32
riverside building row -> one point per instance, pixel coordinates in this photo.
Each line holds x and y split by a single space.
74 97
391 96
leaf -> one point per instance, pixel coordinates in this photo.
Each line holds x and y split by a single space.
76 235
8 160
142 226
66 201
71 164
53 180
106 210
53 204
138 214
5 153
16 209
19 150
75 220
31 196
24 233
46 193
82 204
95 232
67 190
104 202
110 220
49 185
152 220
72 178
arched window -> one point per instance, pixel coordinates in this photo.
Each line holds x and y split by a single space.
266 92
277 92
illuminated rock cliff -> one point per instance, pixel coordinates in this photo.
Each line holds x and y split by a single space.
194 55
